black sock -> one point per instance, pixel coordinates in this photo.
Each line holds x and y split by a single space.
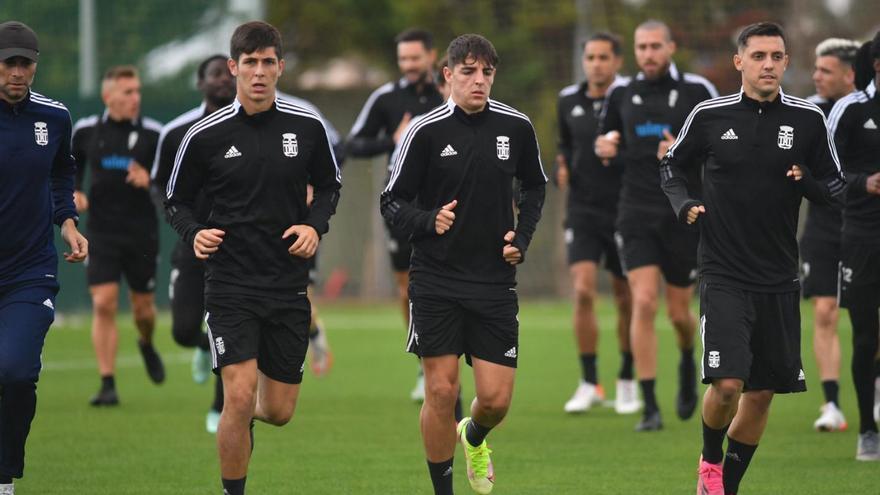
217 405
647 387
687 373
441 476
18 404
314 331
459 414
108 382
204 344
830 388
713 444
626 366
476 433
233 487
588 367
737 460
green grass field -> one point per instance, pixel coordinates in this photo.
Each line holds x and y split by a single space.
356 431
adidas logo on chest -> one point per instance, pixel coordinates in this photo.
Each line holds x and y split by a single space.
448 151
729 135
870 124
232 152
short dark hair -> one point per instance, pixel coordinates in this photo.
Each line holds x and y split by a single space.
653 25
864 66
200 72
759 29
471 45
414 34
444 62
252 36
616 46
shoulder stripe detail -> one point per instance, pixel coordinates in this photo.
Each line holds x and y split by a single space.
224 113
696 78
368 107
840 107
84 122
43 100
801 103
498 105
181 120
816 99
720 101
292 109
569 90
151 124
335 138
399 154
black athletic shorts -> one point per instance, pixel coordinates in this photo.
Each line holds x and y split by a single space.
485 329
645 239
820 264
274 332
399 248
753 336
859 267
112 256
591 238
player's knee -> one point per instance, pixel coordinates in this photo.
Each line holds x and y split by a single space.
759 400
622 299
278 417
494 407
104 305
441 393
238 399
584 294
144 312
645 302
680 316
728 390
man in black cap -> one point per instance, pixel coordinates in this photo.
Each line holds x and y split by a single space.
36 190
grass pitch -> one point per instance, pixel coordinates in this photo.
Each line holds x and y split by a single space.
356 431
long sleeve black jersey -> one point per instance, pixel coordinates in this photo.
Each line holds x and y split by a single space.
594 188
373 132
854 122
105 148
823 222
641 111
448 155
746 147
36 186
254 169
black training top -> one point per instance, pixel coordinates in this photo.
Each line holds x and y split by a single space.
594 187
823 222
254 169
373 132
744 148
107 148
448 155
854 123
641 111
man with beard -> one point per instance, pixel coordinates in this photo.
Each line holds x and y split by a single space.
642 118
379 127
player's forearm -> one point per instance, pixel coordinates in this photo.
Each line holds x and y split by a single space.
674 185
62 197
323 207
366 147
180 216
403 215
829 191
530 205
856 184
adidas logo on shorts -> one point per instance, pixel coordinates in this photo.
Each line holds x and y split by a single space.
511 353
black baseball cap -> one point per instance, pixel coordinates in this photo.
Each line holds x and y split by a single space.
18 40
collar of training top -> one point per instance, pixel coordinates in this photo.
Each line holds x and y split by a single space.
468 118
105 118
760 104
16 107
671 75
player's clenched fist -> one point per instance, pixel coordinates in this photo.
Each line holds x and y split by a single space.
207 242
445 217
